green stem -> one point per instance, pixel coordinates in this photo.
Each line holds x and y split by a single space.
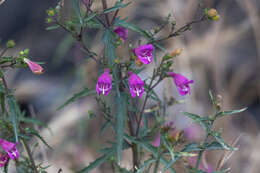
30 156
157 160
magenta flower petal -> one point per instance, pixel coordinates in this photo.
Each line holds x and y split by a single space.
35 68
136 85
122 32
3 159
145 53
181 82
10 149
104 83
157 140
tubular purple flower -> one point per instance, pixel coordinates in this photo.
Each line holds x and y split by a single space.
136 85
145 53
181 82
157 140
35 68
3 159
104 83
10 149
122 32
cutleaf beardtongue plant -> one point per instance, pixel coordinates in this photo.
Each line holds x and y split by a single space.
136 85
145 53
104 83
35 68
181 82
10 149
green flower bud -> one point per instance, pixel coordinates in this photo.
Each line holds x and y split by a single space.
51 12
49 20
10 44
26 51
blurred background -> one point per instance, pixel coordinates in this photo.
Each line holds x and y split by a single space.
222 56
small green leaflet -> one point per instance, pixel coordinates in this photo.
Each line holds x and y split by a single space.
85 92
117 6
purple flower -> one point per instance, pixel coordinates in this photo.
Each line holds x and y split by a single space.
35 68
9 148
181 82
104 83
145 53
86 2
157 140
3 159
122 32
136 85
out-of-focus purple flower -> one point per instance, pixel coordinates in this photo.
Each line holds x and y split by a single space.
35 68
136 85
86 2
3 159
122 32
157 140
10 149
104 83
202 166
181 82
192 132
145 53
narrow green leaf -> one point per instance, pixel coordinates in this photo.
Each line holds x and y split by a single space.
145 165
77 10
192 147
13 114
91 16
121 113
109 41
168 146
96 163
222 142
85 92
52 27
223 113
117 6
203 121
41 138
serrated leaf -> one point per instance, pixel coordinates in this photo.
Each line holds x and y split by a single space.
77 10
52 27
203 121
14 113
214 146
120 124
117 6
96 163
85 92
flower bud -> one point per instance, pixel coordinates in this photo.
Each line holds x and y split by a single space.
51 12
138 62
212 12
10 44
49 20
176 52
26 51
216 18
117 61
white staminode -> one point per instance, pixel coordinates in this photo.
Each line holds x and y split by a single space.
137 91
103 89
